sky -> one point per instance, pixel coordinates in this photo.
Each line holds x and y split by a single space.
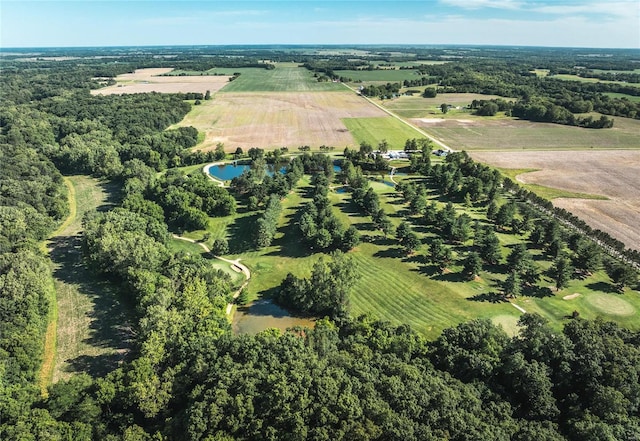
560 23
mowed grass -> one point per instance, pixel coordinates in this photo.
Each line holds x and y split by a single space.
92 331
286 77
373 130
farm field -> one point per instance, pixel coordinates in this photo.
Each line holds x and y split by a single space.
92 334
286 77
568 77
632 98
419 107
150 80
475 133
379 75
265 120
614 174
374 130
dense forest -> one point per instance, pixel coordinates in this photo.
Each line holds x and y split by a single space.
187 376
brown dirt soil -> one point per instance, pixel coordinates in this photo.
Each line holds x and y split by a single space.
269 119
148 80
615 174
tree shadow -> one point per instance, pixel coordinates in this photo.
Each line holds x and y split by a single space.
240 233
603 287
451 277
391 252
537 291
491 297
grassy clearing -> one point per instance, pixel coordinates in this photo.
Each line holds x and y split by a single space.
373 130
547 192
632 98
286 77
91 332
568 77
379 76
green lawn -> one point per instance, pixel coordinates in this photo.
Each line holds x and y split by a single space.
286 77
373 130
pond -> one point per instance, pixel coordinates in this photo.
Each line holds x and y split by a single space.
226 172
264 314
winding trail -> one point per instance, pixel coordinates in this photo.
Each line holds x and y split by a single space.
235 264
403 121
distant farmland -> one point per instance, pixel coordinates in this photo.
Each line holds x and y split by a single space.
151 80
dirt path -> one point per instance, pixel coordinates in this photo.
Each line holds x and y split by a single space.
234 263
440 144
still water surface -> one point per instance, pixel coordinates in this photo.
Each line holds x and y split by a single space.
263 314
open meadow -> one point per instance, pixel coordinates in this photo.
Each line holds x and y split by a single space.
93 324
614 174
267 119
152 80
286 77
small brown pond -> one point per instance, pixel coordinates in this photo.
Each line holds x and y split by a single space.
263 314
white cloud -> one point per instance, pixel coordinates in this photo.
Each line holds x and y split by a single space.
478 4
616 8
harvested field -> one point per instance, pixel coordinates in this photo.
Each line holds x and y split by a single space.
148 80
614 174
470 132
278 119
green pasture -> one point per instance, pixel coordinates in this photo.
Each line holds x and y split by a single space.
373 130
286 77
